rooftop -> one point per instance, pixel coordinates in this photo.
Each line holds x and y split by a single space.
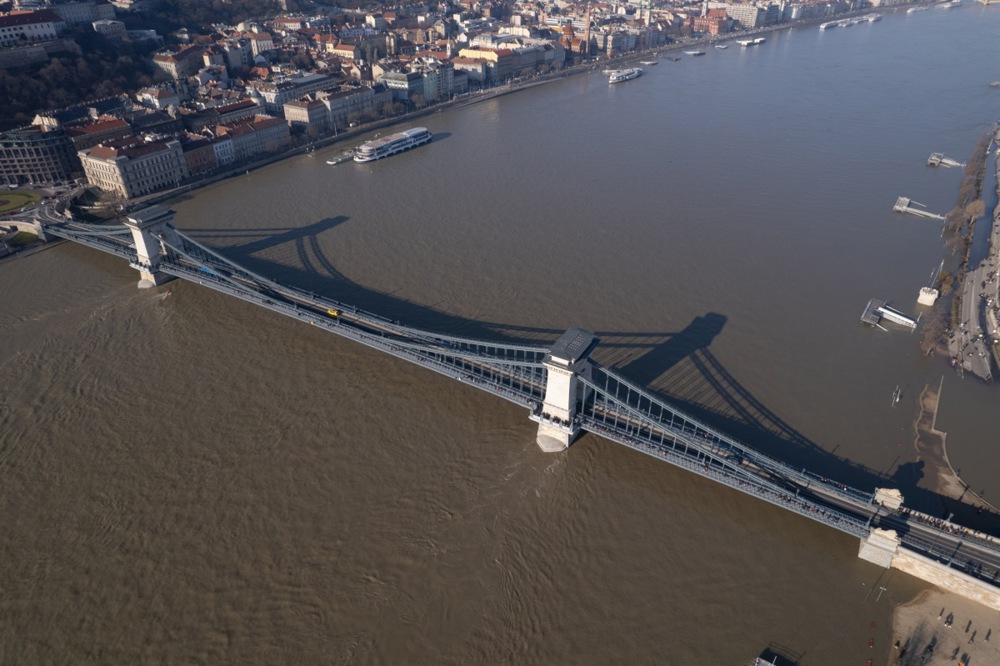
575 344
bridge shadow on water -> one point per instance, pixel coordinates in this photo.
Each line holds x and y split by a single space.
683 370
678 366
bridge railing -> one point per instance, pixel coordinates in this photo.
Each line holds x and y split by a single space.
523 385
953 558
945 527
103 242
641 403
198 253
614 409
711 469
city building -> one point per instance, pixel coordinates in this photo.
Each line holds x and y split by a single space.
158 97
351 104
274 94
113 30
262 134
89 133
83 12
30 27
179 64
34 156
199 154
135 167
402 85
311 114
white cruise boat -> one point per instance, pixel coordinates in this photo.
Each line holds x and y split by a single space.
385 146
625 75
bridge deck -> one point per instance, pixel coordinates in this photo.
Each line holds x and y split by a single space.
610 406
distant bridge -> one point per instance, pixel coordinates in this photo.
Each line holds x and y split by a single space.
566 393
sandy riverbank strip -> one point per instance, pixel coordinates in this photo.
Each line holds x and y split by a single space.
923 622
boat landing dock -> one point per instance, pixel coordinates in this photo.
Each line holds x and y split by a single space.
903 205
877 310
937 159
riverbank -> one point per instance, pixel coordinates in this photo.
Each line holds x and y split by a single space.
930 446
993 258
972 340
939 628
471 98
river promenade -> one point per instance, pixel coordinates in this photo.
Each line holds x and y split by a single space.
483 95
973 347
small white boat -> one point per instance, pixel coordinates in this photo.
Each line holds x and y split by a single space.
722 46
695 53
344 157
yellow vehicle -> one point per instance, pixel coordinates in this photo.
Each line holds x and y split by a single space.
333 313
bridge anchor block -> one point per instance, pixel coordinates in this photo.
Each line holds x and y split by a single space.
880 547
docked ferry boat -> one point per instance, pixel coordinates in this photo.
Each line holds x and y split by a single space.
625 75
385 146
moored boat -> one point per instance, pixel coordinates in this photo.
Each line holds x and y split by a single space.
695 53
625 75
386 146
343 157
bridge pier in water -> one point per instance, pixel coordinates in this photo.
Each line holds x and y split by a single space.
568 359
148 226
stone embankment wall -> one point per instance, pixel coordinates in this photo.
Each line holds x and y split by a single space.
946 578
882 548
31 226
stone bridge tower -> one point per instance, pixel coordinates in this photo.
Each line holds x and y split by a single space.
566 362
148 226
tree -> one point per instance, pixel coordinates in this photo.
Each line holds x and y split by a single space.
303 60
934 330
954 220
975 209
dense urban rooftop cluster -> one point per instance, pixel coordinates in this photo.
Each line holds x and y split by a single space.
226 94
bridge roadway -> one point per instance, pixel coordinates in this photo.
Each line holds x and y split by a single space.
611 407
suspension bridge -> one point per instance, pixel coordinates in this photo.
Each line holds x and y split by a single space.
567 393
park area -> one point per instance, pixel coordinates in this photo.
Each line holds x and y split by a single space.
14 200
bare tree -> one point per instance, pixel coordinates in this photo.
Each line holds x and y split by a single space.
975 209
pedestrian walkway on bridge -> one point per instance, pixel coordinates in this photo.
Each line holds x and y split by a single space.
566 393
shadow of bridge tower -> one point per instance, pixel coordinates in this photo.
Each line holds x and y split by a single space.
682 370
